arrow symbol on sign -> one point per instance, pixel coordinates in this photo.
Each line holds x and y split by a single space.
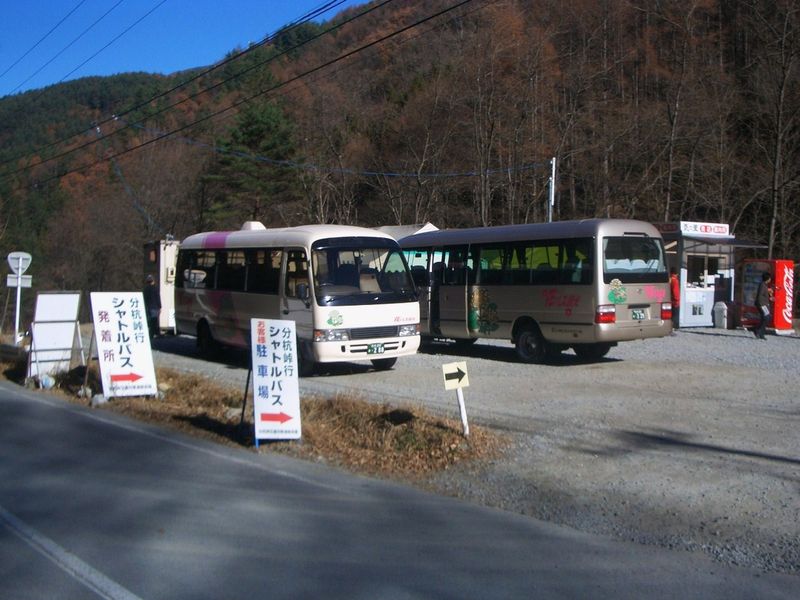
280 417
458 375
126 377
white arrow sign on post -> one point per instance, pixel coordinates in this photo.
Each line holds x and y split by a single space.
19 263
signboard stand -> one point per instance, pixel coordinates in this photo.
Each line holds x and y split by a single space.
244 399
55 334
42 355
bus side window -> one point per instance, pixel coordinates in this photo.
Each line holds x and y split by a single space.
296 271
490 270
418 264
204 269
263 271
518 270
231 270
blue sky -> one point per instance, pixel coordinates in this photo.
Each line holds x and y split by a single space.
43 42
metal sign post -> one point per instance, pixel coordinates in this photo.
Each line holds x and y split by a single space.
455 378
19 263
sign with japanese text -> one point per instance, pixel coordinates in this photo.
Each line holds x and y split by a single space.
123 344
276 392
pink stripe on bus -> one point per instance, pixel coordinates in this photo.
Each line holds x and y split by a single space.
216 239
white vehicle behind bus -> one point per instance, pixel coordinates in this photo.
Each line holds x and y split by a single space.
545 287
348 289
159 261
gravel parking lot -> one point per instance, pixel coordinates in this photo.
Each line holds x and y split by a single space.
690 441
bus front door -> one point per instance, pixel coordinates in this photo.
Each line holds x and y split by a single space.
296 293
456 272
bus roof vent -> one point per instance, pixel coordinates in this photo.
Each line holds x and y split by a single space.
253 226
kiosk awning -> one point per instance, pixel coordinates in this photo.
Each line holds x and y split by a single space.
723 241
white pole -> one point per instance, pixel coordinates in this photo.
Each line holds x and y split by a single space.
19 294
552 199
463 410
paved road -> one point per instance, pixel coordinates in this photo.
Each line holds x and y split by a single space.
92 504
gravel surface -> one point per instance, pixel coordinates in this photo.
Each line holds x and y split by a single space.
691 441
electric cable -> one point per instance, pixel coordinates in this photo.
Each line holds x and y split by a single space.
249 98
304 19
43 38
65 48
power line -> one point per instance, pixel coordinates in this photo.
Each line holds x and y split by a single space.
43 38
304 19
316 69
65 48
131 26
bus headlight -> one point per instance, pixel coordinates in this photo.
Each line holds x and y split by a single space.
331 335
406 330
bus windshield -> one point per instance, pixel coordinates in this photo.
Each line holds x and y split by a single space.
363 271
634 260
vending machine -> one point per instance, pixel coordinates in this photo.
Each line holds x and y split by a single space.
782 272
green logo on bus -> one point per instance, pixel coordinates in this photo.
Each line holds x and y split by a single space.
482 314
618 293
335 319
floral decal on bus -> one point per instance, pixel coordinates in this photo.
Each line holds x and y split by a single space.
482 312
552 298
335 318
618 293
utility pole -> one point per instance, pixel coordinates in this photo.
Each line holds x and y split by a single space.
552 200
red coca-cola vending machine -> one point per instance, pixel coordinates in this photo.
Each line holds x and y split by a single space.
782 272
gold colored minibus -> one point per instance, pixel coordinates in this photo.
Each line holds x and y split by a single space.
546 287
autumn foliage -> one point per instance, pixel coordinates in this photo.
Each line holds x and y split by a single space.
675 110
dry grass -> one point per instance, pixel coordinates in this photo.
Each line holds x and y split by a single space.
364 437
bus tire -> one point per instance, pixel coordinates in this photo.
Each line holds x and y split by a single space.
206 344
383 364
591 351
306 365
530 344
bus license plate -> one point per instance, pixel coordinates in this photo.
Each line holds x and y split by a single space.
637 314
375 349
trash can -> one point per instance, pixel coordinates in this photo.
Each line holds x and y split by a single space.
720 315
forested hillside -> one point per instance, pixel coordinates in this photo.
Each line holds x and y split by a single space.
406 111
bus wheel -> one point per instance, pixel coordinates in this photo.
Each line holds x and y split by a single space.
530 345
205 341
306 365
383 364
591 351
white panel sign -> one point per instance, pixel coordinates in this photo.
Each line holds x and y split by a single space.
25 281
55 339
276 392
455 375
123 344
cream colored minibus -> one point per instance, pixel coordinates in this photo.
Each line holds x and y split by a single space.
348 289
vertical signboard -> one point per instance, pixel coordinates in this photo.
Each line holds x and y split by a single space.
123 344
276 393
784 296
